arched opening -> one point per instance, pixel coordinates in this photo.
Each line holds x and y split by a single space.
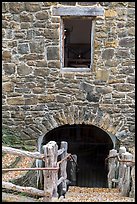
91 145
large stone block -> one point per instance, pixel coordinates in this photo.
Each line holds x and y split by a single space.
111 44
44 72
23 48
52 53
110 13
124 87
25 25
16 101
123 53
5 7
131 31
92 97
16 7
24 70
6 55
26 17
87 87
32 6
31 100
31 56
54 64
37 47
9 68
42 15
52 34
41 63
131 4
38 90
104 90
127 71
127 42
102 75
108 54
40 24
8 86
46 98
62 99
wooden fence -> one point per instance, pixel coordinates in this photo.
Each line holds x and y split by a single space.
121 173
50 171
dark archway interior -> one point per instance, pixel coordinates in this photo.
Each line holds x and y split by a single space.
91 145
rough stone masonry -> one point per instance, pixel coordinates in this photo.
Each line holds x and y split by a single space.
37 97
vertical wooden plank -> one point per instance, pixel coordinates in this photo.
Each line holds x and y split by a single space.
126 179
122 150
72 169
55 173
132 192
39 163
63 165
112 166
92 41
62 42
50 177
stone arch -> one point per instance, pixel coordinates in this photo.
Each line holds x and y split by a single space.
74 115
91 146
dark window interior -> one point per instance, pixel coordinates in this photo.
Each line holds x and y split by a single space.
77 43
91 145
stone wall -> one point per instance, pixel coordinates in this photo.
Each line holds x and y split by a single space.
37 97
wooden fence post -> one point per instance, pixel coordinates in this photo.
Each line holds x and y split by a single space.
50 177
63 165
126 178
112 166
122 150
73 170
132 192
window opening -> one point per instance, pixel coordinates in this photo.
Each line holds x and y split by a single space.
77 43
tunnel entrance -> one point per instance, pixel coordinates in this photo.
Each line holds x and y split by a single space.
91 145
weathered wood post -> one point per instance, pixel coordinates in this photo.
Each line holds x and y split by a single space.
112 166
132 192
122 150
63 165
126 179
50 176
73 169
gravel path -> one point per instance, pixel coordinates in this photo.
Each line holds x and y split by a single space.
82 194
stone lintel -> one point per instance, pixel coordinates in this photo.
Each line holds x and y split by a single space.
77 11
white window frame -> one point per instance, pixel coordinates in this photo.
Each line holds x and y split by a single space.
78 69
71 12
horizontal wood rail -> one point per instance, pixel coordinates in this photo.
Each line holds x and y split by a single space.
29 190
19 152
120 160
32 169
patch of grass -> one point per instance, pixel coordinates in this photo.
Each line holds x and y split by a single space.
9 138
14 140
